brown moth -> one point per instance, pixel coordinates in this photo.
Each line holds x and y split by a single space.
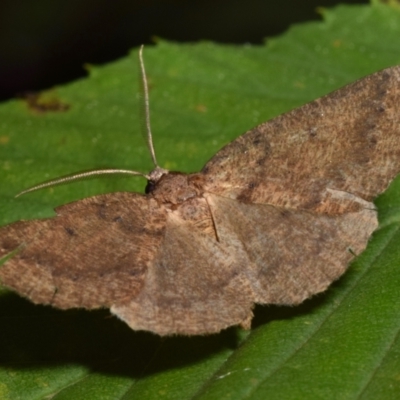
273 218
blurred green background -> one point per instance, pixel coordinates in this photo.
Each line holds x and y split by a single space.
47 42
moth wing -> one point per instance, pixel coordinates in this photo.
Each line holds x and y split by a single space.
289 255
93 253
346 141
194 286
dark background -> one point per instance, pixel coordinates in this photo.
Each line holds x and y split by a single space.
47 42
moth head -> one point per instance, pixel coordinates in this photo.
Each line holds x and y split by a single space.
172 188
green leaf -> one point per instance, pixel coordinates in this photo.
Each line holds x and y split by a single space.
343 344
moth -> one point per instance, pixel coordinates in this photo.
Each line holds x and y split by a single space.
273 218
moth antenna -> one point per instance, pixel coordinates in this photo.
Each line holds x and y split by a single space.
153 176
81 175
146 107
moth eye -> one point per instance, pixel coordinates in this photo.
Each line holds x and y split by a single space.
150 187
